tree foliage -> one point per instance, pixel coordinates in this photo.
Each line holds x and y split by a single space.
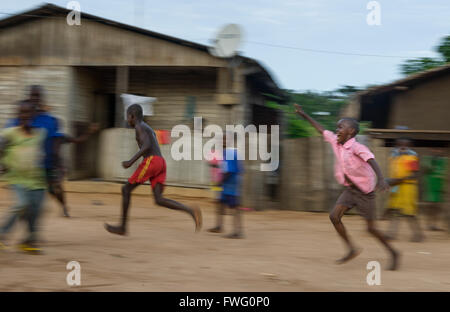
444 49
322 106
417 65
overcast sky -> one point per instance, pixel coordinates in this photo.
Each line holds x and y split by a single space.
409 28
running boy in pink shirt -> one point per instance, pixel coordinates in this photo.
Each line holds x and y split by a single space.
355 168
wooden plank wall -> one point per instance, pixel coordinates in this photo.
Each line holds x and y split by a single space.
56 81
308 175
172 86
54 42
424 107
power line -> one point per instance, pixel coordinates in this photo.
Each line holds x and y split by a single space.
260 43
325 51
317 50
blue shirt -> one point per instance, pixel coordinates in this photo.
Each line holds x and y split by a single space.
396 152
49 123
230 164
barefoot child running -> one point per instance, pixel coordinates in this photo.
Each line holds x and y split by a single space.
43 119
153 168
231 190
357 170
404 195
22 152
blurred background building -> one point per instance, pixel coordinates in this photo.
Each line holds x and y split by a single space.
84 70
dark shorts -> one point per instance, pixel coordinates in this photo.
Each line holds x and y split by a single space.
229 200
365 203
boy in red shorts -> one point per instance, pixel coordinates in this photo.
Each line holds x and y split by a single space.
152 168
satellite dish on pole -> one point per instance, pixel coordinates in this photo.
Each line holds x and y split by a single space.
225 46
227 41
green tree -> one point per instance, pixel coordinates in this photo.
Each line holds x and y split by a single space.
424 63
324 107
444 49
347 90
418 65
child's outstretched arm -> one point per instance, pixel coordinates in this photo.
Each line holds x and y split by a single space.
315 124
381 182
413 176
93 128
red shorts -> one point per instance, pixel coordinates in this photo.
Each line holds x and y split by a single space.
152 168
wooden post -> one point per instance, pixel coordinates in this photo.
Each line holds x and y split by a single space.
382 157
122 74
316 174
446 203
222 80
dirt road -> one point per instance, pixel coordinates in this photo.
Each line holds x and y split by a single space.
282 251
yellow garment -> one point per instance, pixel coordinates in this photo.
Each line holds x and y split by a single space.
216 188
405 195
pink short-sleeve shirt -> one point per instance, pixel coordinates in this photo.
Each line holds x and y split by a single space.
351 160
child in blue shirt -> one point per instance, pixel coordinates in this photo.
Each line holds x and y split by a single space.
231 191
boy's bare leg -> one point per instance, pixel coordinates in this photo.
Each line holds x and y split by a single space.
447 218
237 224
415 227
336 217
127 189
435 211
171 204
387 214
395 255
57 192
219 216
394 220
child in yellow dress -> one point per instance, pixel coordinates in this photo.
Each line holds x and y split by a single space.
404 167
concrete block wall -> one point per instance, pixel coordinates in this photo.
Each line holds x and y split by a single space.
119 144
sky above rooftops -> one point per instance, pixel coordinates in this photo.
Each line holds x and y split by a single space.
306 45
